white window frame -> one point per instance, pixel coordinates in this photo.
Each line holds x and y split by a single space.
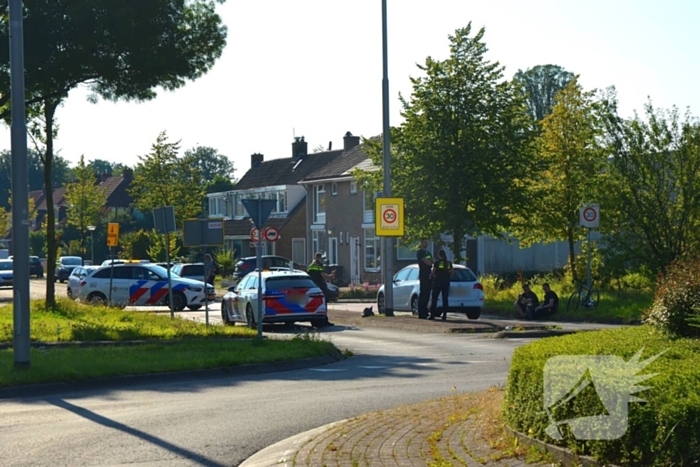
332 251
319 191
353 188
376 243
368 214
315 242
334 189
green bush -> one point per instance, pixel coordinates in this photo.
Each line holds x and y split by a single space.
663 431
676 307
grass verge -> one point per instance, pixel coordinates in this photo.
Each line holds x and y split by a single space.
170 345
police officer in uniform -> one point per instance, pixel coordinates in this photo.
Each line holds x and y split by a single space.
425 264
442 272
317 273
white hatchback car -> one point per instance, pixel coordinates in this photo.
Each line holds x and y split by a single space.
76 277
466 292
288 296
142 284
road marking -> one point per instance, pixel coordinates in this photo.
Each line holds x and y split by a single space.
328 369
372 367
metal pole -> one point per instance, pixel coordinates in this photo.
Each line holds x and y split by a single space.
206 286
92 247
259 259
387 249
588 268
170 280
20 191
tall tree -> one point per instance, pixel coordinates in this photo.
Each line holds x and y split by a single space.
542 83
163 178
460 155
210 163
85 200
655 172
120 49
568 171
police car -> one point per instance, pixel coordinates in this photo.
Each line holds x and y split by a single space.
141 284
287 296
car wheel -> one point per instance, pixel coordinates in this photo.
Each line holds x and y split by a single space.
473 313
249 318
414 305
194 307
179 301
318 323
97 298
380 303
224 313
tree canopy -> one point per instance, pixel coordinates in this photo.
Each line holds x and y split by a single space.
541 84
211 163
567 172
85 199
460 156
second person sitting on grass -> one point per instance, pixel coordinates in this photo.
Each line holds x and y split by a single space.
526 302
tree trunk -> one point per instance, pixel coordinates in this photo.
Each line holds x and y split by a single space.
51 241
457 243
572 253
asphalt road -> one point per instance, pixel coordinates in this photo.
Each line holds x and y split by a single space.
222 421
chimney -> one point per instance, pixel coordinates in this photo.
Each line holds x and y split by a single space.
299 147
256 159
128 174
350 141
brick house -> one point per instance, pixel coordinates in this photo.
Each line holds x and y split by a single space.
279 180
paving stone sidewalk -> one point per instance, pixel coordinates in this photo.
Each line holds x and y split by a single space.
450 431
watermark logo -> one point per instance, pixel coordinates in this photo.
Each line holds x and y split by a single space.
610 377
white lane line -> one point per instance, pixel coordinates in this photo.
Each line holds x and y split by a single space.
328 370
372 367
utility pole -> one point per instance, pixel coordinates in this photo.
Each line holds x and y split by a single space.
387 242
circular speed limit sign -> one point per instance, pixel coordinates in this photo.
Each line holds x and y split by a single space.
590 216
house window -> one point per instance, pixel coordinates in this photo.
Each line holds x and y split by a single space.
299 251
281 201
353 188
315 242
333 250
240 210
320 204
406 253
368 203
373 245
334 189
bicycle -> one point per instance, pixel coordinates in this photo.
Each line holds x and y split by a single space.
583 296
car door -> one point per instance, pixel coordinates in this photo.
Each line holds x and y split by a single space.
239 300
121 282
251 294
400 289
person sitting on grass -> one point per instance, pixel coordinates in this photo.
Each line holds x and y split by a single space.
526 302
549 304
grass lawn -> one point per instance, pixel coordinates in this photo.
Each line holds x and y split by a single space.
617 305
171 344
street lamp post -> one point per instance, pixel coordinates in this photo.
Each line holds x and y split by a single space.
92 228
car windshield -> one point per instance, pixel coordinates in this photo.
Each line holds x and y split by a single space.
5 265
463 275
68 261
289 282
161 271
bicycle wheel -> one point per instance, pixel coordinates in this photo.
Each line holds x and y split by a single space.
593 299
574 301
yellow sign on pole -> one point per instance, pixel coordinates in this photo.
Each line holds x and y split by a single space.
112 234
388 218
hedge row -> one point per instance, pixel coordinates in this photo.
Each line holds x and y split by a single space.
664 430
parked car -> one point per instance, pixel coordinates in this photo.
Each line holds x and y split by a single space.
35 266
466 292
76 277
288 297
142 284
6 273
107 262
189 270
65 266
269 262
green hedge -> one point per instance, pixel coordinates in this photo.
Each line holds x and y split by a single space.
665 430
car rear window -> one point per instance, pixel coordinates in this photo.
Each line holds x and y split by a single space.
195 270
463 275
289 282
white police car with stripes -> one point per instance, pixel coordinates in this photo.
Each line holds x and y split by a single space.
142 284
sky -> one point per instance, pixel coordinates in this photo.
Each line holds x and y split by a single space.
313 68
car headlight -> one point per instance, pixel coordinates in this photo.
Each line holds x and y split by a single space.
193 288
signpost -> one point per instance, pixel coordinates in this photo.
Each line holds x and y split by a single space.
203 233
164 220
259 210
112 241
589 217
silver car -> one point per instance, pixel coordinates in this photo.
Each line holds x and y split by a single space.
75 279
466 292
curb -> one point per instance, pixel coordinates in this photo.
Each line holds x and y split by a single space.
38 390
536 333
559 453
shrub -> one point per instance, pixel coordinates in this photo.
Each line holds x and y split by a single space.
676 307
663 431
